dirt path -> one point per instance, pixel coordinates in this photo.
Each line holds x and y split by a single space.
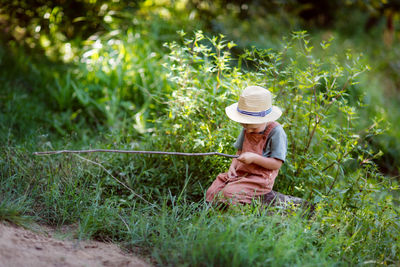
21 247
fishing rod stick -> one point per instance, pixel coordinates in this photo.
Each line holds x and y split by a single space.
133 152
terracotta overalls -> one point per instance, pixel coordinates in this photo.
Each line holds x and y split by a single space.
252 180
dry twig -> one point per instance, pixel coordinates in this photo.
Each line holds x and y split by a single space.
134 152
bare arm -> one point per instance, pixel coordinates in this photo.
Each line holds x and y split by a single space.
268 163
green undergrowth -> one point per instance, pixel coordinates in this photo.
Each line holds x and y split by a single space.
176 231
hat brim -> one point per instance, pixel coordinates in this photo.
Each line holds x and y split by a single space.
234 115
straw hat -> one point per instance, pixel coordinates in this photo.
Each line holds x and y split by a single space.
254 107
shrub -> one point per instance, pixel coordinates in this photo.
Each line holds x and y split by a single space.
324 146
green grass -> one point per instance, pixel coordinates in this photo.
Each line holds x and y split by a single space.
195 234
15 211
176 231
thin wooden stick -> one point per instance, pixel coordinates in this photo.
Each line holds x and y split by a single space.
134 152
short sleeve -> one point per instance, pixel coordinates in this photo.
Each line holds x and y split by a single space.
239 141
276 146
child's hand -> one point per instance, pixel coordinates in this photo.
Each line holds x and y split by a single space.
232 172
247 157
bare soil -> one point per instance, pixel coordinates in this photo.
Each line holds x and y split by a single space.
22 247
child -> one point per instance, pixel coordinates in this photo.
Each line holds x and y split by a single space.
261 145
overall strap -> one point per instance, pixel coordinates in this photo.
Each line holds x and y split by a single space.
269 128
